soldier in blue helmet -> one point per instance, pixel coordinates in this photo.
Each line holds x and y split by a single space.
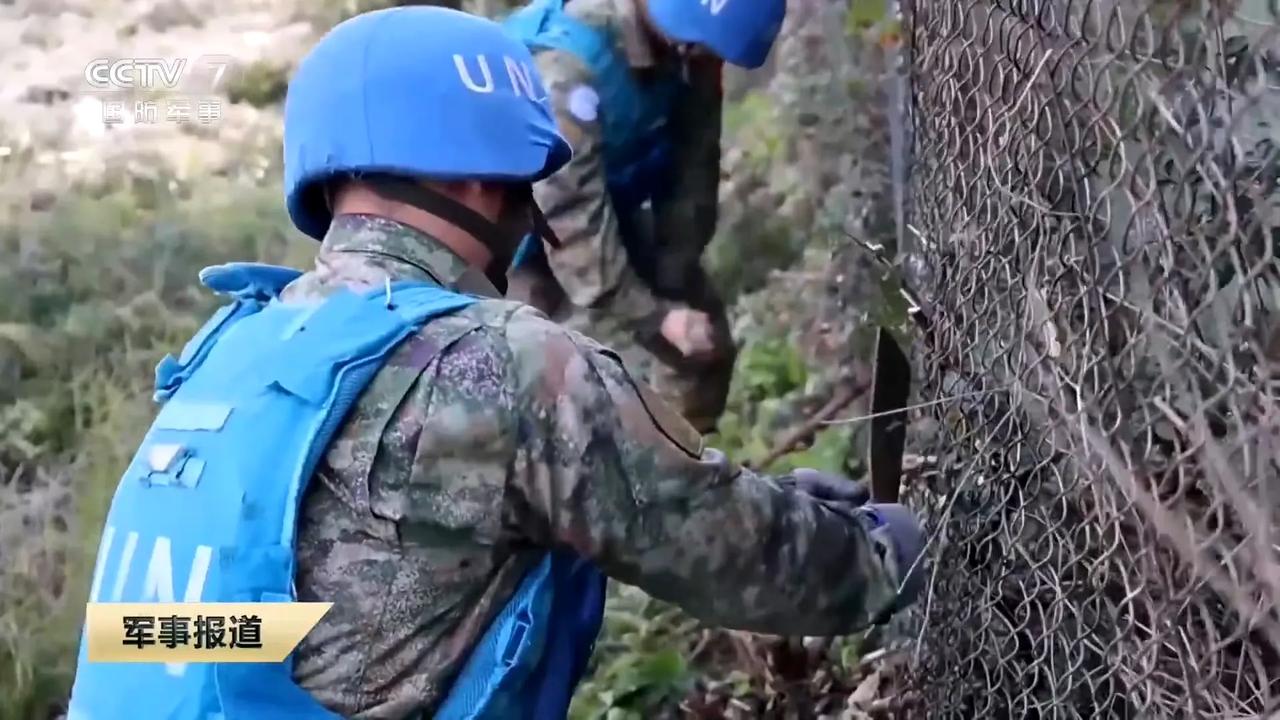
635 86
455 472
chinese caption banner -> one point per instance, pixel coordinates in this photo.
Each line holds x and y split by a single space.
198 632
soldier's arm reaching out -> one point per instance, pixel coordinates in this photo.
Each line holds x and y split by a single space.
591 264
609 471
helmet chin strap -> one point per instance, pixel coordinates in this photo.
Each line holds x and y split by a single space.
501 242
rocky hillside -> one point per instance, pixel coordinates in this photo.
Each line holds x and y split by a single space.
108 216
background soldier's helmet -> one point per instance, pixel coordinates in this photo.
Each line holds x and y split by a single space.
740 32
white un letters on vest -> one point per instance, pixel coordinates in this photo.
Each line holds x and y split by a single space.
716 5
519 76
157 584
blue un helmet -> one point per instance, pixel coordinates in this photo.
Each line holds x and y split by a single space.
740 32
412 93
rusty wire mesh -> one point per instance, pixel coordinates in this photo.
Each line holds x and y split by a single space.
1093 228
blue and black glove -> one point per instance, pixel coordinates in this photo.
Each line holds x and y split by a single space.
831 489
894 528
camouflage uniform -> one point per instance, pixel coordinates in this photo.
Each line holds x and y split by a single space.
592 284
495 433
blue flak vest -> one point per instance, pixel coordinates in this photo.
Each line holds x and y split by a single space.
634 116
207 510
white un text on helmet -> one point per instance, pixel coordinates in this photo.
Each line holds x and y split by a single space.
519 76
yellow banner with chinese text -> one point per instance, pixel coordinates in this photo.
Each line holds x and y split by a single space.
198 632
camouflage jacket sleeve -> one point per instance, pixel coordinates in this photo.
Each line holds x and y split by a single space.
607 469
685 220
591 264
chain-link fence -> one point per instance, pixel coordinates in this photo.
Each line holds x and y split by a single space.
1094 194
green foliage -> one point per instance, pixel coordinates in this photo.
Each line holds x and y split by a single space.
832 450
865 14
769 367
752 239
50 554
95 291
871 19
640 666
769 379
260 84
747 247
753 126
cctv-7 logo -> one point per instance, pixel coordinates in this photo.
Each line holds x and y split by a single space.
212 67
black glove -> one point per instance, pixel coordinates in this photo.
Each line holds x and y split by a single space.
897 527
831 489
891 525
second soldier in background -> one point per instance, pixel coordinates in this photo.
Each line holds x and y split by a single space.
635 87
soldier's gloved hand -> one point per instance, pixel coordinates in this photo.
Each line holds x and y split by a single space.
900 540
689 331
832 489
895 530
